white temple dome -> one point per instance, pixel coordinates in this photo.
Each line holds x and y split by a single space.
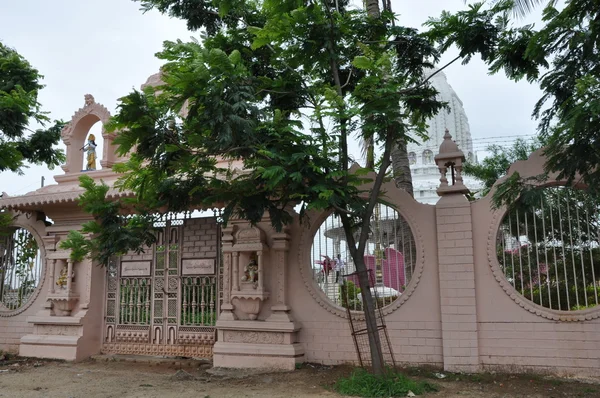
425 174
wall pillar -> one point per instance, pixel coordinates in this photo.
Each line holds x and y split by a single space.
254 329
457 284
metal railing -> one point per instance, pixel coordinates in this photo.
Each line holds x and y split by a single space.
198 301
135 294
549 250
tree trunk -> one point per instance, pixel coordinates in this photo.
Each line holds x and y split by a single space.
372 7
401 168
369 304
378 365
370 317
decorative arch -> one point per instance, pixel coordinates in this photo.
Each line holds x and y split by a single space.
36 227
531 167
406 207
74 134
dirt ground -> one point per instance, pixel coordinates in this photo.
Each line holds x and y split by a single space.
127 379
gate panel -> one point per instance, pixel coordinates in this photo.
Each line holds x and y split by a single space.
154 306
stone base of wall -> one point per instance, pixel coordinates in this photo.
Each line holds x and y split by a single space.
56 337
54 347
257 344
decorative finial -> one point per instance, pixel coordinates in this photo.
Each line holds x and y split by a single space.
447 136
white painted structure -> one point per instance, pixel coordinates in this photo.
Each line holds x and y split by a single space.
425 174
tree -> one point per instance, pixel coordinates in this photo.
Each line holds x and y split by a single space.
280 86
19 88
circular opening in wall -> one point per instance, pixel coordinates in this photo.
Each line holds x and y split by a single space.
20 268
390 254
548 248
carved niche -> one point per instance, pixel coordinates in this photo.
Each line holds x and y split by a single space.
76 131
248 290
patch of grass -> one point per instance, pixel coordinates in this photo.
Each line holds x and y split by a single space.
392 384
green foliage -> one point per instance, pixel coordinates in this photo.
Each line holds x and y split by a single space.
391 384
496 165
19 89
114 231
78 244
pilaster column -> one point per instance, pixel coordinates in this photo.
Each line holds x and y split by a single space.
236 271
69 275
52 270
279 263
457 284
259 255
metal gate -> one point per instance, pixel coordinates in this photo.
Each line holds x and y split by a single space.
164 303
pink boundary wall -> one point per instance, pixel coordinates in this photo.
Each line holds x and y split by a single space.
457 312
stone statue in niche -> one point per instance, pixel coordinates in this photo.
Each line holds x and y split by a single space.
90 149
61 282
251 272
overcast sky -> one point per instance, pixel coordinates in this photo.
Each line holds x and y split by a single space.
107 47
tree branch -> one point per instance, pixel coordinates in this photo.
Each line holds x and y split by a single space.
408 90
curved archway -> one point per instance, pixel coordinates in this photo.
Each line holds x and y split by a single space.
75 133
22 265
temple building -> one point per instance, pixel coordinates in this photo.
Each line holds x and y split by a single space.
425 173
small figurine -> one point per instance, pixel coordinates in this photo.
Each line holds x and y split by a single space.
62 278
251 272
90 148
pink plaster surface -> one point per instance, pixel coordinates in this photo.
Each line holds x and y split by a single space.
453 313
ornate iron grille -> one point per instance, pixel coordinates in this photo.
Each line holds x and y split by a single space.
165 312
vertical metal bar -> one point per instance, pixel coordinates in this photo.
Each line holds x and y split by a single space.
528 256
545 238
568 200
121 301
504 265
563 249
138 299
202 286
537 255
580 244
148 300
591 255
211 306
554 254
130 291
184 305
512 254
520 257
404 253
